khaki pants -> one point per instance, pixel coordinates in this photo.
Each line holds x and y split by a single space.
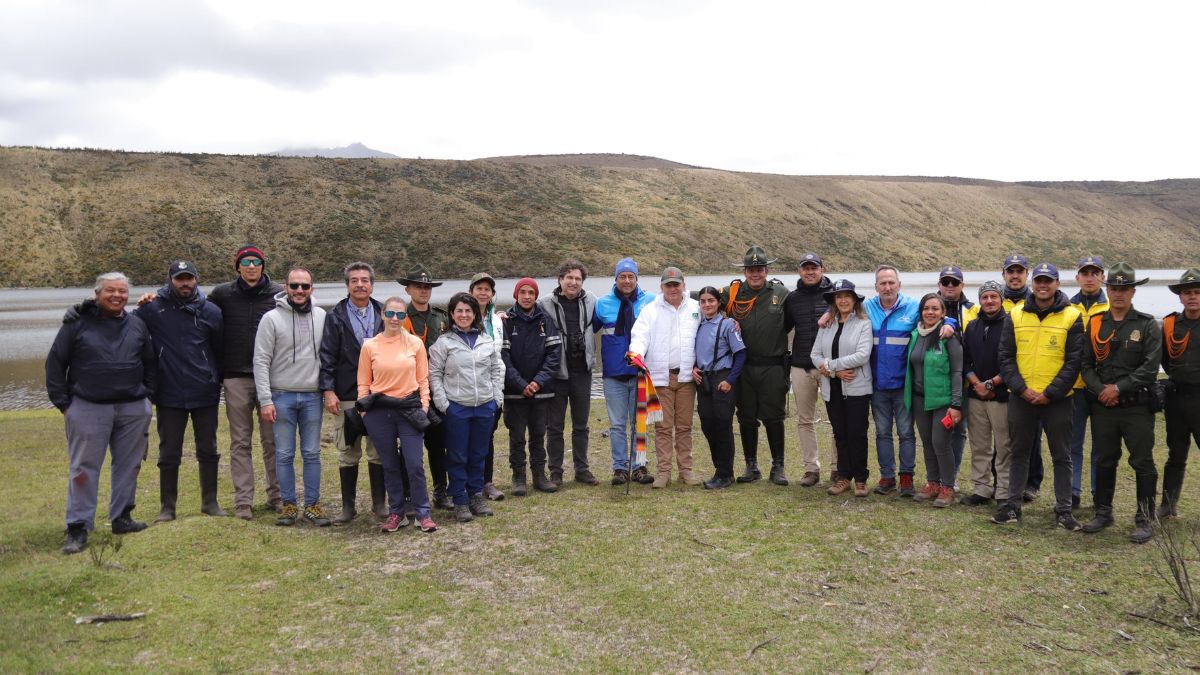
806 386
241 408
349 455
674 433
987 426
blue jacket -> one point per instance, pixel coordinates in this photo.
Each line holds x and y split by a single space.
530 353
614 338
890 333
188 338
100 360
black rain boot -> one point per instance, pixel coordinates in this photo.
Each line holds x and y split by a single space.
349 479
379 505
750 452
208 490
775 441
168 491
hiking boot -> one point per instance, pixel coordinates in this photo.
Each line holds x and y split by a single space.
462 513
688 477
945 497
1076 502
125 524
1067 522
1142 532
885 486
244 512
777 477
315 515
906 485
620 477
208 491
478 505
427 525
441 498
1029 494
168 490
541 483
751 473
839 487
394 522
810 479
519 488
287 515
860 488
1007 515
349 483
556 478
641 475
662 480
76 539
718 482
1166 511
274 505
493 493
1101 520
833 477
930 491
975 500
586 478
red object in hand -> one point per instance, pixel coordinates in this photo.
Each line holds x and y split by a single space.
948 421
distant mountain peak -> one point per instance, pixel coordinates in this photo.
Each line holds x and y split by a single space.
352 151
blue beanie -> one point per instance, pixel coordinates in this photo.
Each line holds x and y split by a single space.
626 265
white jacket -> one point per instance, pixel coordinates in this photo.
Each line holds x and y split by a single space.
854 353
659 329
469 376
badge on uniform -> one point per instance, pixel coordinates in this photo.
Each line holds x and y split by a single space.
1135 336
696 315
1053 340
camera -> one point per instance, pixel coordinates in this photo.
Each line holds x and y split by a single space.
576 347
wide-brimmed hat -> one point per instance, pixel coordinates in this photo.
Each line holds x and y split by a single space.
418 275
756 256
1190 278
841 286
1123 274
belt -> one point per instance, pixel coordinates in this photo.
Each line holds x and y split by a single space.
1186 389
674 371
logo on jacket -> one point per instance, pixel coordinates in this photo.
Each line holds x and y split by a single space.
1135 336
1053 340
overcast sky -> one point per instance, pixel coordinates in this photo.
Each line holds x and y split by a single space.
1010 91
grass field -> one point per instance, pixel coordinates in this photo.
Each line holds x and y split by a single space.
755 578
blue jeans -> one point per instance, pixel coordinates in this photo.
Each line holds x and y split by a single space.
1079 424
298 411
886 405
468 436
620 397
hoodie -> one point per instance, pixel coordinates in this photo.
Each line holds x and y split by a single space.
287 349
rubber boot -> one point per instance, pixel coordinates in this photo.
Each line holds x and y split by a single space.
208 490
378 493
168 490
775 441
749 434
349 479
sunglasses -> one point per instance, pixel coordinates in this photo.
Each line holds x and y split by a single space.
951 282
251 262
303 287
394 314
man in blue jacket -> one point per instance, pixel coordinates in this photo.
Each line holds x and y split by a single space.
615 314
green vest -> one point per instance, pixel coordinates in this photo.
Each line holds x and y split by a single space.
937 375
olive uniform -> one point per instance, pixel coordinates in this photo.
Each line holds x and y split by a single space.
1181 360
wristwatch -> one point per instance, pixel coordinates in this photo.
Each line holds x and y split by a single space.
988 385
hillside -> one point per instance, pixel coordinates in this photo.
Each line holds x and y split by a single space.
65 215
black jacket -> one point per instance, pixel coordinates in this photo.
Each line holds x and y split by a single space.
340 350
187 338
1064 381
802 308
101 360
242 308
981 352
531 352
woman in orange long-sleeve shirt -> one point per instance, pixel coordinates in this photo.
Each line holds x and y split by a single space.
393 365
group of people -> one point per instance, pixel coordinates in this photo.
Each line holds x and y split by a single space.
407 383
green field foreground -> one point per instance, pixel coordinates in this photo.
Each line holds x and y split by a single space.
755 578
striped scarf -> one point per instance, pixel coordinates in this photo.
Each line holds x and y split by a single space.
649 410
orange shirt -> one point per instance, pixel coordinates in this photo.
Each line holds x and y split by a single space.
396 366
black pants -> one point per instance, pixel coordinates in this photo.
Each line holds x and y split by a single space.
1136 426
1037 468
577 391
172 422
522 415
848 417
435 448
1183 427
1024 421
489 464
716 421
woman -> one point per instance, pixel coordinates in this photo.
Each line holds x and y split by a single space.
483 289
933 392
842 354
466 376
393 387
720 355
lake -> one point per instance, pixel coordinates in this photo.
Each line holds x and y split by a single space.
29 318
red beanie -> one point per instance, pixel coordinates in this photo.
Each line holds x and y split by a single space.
525 281
246 252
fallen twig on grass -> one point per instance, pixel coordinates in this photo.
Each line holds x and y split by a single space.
1023 620
1190 630
759 646
1073 649
1124 636
874 664
105 618
1038 645
702 543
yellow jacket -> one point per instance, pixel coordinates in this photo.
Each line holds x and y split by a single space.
1046 351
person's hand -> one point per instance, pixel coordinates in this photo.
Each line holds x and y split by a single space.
1030 396
981 391
826 320
846 375
724 387
331 403
1110 396
947 332
956 415
267 413
697 375
146 297
823 370
531 389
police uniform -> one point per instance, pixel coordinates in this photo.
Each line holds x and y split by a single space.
429 326
1181 360
763 386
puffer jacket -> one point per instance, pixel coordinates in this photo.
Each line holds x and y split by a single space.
469 376
854 353
241 310
802 308
615 331
552 306
285 360
531 350
101 360
188 336
340 350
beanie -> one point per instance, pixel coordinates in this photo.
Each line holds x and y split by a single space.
990 286
525 281
247 251
626 265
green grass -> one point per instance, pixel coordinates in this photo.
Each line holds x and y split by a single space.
586 579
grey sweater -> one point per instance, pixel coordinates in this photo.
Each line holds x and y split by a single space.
287 352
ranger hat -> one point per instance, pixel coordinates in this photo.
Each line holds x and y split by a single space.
482 276
182 267
1090 261
840 286
1189 279
1045 269
756 256
1123 274
1016 260
810 259
671 275
951 272
418 275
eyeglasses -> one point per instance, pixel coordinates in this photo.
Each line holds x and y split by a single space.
303 287
251 262
394 314
951 282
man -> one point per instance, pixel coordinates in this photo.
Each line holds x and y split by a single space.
963 311
1090 301
571 308
988 409
758 307
428 323
614 317
243 302
1016 275
353 320
1120 363
893 317
188 332
100 373
530 352
287 365
803 309
665 334
1039 361
1181 360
